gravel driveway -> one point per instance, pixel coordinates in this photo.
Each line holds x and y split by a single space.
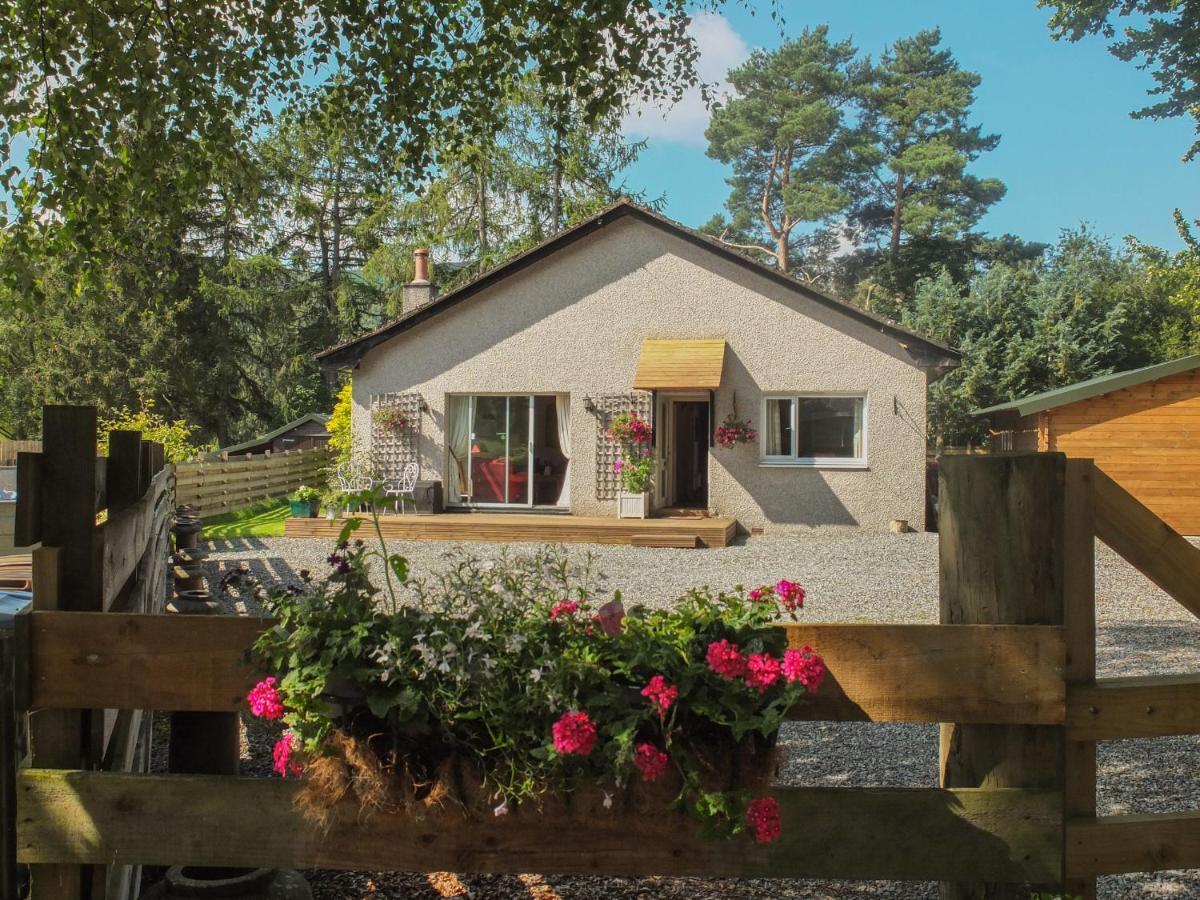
850 577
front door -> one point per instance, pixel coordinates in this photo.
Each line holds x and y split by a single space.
683 426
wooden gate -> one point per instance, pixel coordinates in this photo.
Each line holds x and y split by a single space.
1012 669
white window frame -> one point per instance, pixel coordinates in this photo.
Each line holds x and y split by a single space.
815 462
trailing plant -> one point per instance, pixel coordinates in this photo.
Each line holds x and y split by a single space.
516 681
390 418
635 465
734 431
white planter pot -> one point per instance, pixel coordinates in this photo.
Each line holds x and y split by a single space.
633 506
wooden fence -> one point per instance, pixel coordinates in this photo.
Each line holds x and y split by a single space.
225 485
100 540
1012 669
10 449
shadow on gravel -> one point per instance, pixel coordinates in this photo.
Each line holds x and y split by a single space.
234 545
1148 647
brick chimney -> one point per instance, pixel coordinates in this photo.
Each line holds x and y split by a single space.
420 290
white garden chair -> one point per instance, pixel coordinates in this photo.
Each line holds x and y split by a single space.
404 487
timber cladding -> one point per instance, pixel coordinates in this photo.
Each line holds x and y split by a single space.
1146 438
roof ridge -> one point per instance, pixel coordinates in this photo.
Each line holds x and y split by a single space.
344 353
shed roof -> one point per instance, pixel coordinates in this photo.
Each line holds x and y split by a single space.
1093 387
319 418
923 352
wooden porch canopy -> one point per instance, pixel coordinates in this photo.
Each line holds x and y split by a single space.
680 364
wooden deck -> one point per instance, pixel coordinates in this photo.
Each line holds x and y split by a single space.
547 528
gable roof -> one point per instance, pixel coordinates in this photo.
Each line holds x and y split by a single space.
925 351
1093 387
319 418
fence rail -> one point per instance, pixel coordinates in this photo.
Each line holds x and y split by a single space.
226 485
1016 809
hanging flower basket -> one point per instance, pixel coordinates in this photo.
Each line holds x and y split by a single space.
734 431
390 418
516 683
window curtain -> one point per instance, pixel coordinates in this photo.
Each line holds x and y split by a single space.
773 437
458 433
562 411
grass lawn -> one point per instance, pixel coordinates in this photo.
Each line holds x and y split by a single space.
260 520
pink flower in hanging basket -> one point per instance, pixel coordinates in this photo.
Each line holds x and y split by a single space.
661 694
264 700
284 764
574 734
762 816
804 666
650 761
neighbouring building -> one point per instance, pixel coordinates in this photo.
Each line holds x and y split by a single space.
505 385
306 433
1141 427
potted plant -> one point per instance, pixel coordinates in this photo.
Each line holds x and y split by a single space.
633 501
530 688
303 502
635 464
333 502
734 431
390 418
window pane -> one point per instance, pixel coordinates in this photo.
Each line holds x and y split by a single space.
777 434
830 427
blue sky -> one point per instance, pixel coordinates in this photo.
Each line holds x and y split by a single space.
1069 152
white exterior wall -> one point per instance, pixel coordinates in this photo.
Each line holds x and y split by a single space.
574 322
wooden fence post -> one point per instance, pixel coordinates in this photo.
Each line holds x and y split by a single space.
1002 560
1079 599
10 752
66 575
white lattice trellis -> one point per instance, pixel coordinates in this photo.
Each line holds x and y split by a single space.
393 448
608 407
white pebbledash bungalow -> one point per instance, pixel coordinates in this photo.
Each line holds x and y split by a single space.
509 381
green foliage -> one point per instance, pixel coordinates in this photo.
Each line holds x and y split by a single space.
1084 310
783 133
305 494
477 664
1175 277
341 425
110 101
913 146
1159 34
175 435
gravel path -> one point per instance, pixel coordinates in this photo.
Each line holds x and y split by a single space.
850 577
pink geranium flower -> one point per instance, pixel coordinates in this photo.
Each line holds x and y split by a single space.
762 671
264 700
762 815
804 666
661 694
284 764
650 761
725 659
791 594
574 734
563 608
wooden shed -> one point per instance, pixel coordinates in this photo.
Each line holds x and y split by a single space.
305 433
1142 428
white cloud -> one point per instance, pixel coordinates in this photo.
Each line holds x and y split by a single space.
721 48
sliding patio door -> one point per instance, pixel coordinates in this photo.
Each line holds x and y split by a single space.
501 450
